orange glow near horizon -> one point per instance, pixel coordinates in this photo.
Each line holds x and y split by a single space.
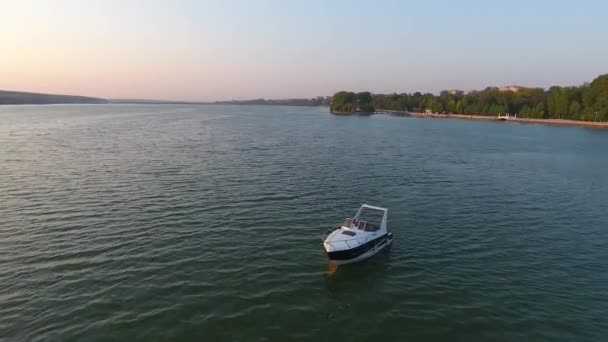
217 50
87 49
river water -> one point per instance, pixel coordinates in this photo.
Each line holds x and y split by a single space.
191 223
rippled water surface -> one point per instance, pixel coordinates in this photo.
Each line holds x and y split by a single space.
125 223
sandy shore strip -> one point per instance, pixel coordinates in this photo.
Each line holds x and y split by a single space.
562 122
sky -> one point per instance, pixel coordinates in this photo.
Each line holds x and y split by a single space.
219 50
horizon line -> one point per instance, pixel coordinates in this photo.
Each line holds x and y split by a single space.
145 99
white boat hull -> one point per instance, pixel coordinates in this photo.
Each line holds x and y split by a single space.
370 253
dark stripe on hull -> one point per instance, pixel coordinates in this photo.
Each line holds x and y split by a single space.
357 251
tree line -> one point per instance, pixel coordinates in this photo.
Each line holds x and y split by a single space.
347 102
317 101
586 102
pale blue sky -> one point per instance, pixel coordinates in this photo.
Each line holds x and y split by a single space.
206 50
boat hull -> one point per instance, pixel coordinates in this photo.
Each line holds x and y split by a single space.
361 252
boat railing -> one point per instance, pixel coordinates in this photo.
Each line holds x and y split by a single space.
329 231
348 222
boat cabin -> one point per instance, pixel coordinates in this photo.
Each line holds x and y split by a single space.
354 224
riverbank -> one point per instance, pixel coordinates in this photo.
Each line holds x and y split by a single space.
352 113
562 122
25 98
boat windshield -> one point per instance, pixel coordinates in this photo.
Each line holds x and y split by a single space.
361 225
369 227
372 218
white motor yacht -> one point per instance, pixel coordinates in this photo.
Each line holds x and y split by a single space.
359 237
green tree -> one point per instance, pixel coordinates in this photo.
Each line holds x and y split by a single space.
579 103
599 90
574 112
341 99
539 110
364 98
525 112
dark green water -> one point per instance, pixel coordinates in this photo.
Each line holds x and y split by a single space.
202 223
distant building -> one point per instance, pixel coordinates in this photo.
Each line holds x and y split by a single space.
512 88
322 100
455 92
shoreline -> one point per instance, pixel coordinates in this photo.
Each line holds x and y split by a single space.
352 113
560 122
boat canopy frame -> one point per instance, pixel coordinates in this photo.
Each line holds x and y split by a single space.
371 207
